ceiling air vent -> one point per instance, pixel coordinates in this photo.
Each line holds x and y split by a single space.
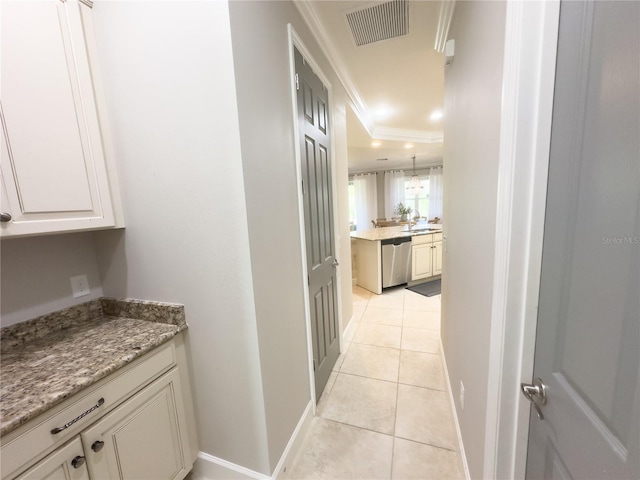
379 22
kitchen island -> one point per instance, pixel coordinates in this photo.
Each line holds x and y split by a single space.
426 253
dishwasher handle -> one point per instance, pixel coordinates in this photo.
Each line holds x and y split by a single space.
395 241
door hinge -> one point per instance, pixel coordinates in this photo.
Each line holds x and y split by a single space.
314 364
308 280
302 187
297 82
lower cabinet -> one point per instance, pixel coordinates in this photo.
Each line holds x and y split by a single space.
142 438
421 261
67 462
136 424
426 256
436 258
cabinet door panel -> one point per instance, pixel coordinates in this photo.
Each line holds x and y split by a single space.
58 465
144 438
421 261
437 259
53 164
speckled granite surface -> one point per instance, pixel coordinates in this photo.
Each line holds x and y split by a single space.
47 359
385 233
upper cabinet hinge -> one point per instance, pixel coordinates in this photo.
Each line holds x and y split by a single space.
297 82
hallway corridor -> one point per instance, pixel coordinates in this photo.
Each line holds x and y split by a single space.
385 412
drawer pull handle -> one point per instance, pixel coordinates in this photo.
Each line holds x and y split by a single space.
77 462
97 445
79 417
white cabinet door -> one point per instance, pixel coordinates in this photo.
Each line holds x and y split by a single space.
144 438
52 156
436 258
65 463
421 261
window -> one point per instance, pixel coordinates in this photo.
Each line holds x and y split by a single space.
420 202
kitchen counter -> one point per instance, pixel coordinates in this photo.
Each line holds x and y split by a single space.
50 358
385 233
367 245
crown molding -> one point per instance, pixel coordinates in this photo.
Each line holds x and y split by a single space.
444 22
405 135
358 105
330 51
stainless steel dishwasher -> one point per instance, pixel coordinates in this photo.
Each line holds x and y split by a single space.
396 261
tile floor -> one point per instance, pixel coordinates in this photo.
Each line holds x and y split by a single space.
385 412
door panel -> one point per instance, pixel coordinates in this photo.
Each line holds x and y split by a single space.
313 122
587 345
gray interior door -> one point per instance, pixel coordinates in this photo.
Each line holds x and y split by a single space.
588 341
313 121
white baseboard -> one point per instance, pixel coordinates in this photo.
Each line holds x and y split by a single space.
354 282
208 467
465 465
295 442
349 332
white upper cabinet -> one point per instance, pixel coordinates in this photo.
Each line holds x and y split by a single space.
55 175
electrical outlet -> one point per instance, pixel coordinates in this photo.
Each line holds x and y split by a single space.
461 395
80 286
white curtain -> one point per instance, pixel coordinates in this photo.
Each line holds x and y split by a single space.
435 192
366 196
394 191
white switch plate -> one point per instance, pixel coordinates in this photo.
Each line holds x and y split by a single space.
461 395
80 286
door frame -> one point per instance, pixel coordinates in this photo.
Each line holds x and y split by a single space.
531 39
296 42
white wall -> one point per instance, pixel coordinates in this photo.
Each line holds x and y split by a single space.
170 88
261 59
36 271
473 87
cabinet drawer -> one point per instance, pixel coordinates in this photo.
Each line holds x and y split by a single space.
421 239
437 237
35 439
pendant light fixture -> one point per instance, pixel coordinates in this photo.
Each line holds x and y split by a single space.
415 185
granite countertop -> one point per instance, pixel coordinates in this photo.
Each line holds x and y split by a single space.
50 358
385 233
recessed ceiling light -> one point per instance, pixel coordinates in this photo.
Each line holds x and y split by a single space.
408 145
383 112
436 115
376 143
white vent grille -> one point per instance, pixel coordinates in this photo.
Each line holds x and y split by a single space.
380 22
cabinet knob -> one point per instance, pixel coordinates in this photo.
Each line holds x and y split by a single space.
5 217
97 445
77 462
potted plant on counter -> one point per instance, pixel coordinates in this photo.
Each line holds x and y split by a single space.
404 211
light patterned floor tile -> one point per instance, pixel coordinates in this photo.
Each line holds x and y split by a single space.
415 301
425 416
388 301
362 402
421 319
372 362
360 296
420 340
380 335
421 370
335 451
416 461
358 311
383 316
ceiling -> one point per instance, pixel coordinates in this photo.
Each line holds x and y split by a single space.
395 84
